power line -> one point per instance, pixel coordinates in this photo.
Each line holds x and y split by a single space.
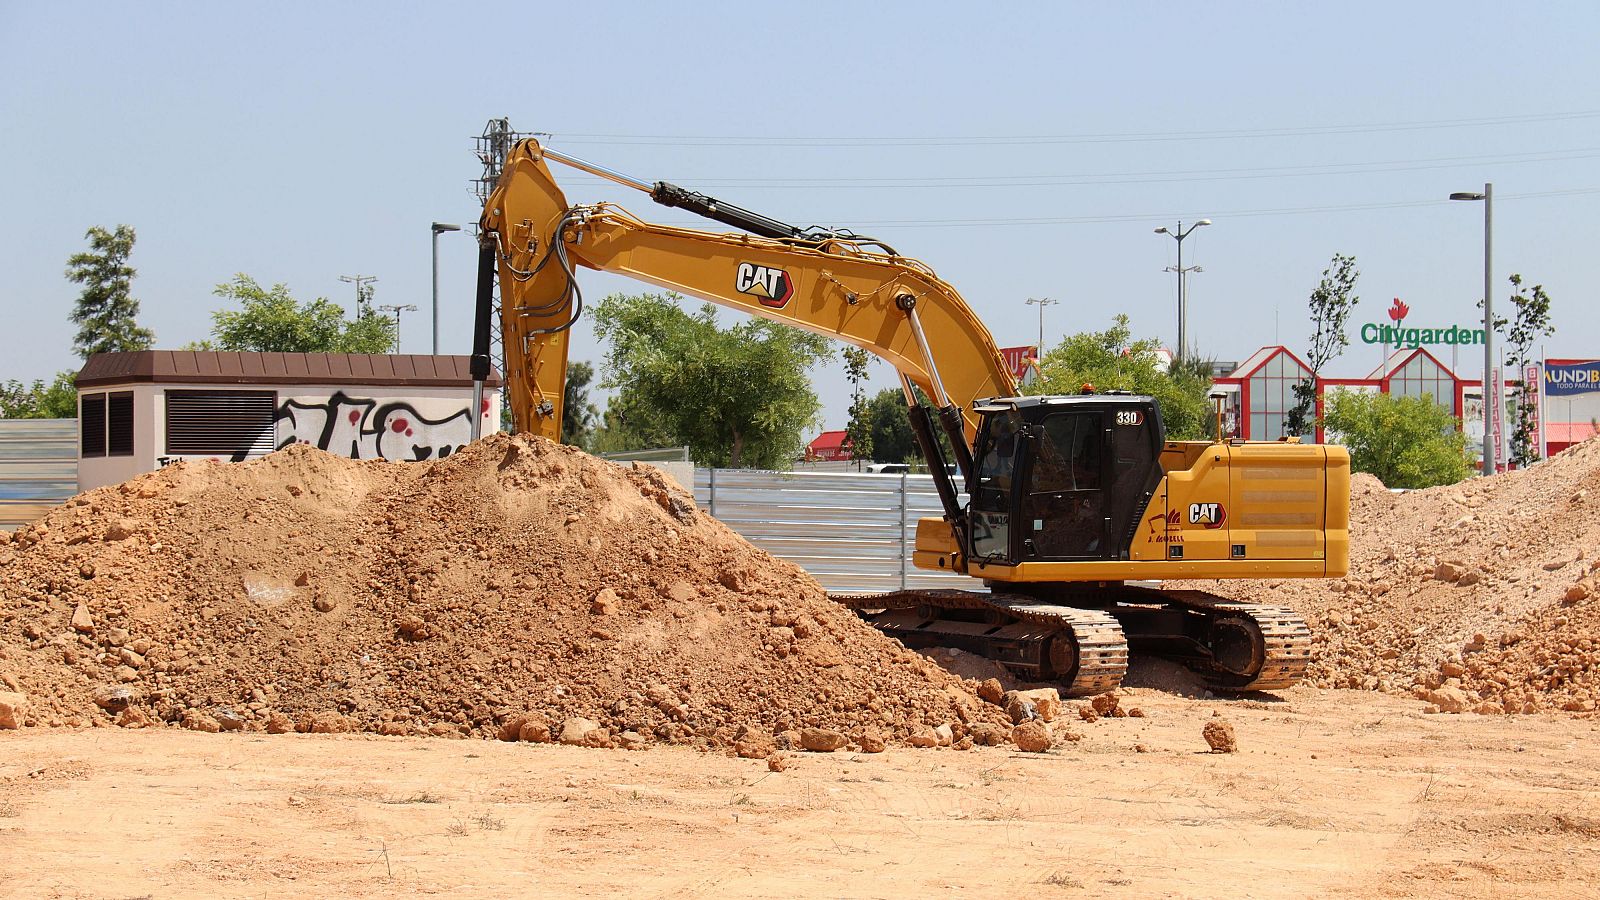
1236 214
685 222
735 140
1230 174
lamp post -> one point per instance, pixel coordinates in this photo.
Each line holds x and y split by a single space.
1042 302
397 310
363 291
1489 448
1183 293
438 229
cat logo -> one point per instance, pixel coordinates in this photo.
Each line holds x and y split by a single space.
1211 515
774 287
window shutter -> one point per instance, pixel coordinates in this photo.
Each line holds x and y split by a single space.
92 424
119 423
221 423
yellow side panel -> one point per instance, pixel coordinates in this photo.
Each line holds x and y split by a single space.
1197 506
937 549
1336 519
1278 499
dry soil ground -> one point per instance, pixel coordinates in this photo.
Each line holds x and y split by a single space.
1333 793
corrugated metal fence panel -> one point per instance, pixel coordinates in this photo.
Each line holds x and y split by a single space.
852 532
38 467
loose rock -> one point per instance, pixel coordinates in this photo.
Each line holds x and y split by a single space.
1219 736
822 740
1031 737
13 706
575 730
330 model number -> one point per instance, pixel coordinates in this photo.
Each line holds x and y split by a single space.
1130 417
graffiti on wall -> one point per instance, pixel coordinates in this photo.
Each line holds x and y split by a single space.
363 429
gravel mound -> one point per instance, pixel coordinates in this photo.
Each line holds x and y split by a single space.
518 588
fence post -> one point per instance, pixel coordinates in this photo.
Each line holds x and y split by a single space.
711 499
904 484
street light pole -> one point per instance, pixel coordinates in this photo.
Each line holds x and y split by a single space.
1183 293
1489 448
438 229
361 282
1042 302
397 310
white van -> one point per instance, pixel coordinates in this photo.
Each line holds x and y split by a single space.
888 468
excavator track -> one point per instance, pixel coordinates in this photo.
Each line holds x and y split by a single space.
1084 648
1254 646
1233 646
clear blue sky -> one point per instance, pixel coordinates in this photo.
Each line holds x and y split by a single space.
1022 151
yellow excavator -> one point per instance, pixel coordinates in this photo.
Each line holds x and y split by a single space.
1077 508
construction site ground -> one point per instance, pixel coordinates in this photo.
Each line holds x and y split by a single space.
304 675
1332 793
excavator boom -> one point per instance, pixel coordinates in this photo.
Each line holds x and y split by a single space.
830 284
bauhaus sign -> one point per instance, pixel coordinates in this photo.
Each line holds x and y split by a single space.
1574 378
1401 336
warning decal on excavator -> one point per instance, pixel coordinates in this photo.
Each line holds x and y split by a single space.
773 286
1164 529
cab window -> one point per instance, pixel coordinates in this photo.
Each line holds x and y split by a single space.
996 462
1069 454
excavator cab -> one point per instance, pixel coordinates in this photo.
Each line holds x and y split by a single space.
1062 478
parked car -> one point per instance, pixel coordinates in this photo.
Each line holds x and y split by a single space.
888 468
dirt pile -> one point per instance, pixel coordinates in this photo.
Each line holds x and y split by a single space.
517 588
1478 596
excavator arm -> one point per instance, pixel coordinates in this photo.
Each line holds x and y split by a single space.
828 283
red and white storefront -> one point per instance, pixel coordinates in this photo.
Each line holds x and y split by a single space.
1260 392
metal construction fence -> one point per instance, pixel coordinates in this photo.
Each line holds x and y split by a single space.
852 532
38 467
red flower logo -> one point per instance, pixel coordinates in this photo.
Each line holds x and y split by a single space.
1399 310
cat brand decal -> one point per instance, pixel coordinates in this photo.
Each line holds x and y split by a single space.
1211 515
773 287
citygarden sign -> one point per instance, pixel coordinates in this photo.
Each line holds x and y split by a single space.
1400 336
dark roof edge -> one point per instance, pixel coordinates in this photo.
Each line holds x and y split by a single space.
212 367
146 378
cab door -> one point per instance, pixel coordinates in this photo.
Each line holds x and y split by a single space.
993 491
1064 511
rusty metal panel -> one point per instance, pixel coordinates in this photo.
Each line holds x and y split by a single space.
853 532
38 467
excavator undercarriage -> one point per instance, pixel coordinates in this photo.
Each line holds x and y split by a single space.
1233 646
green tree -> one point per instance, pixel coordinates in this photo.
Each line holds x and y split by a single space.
106 311
57 399
629 425
892 440
737 396
1111 360
859 431
1330 304
1530 321
1407 442
272 321
578 415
